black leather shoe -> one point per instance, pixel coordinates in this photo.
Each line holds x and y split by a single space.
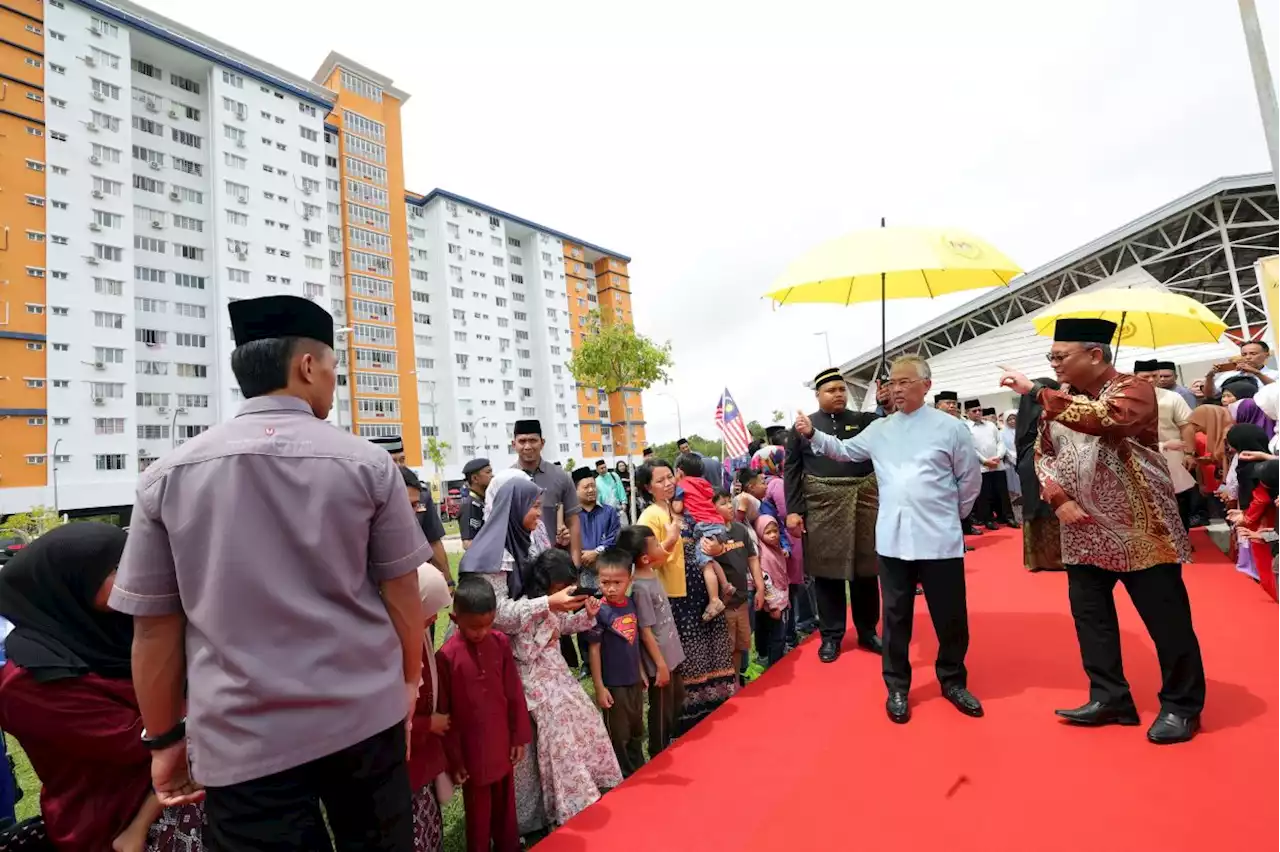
963 701
1095 713
872 643
992 525
829 651
1170 728
897 708
973 531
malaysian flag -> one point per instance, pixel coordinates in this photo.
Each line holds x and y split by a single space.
732 427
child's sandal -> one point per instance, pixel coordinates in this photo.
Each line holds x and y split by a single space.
713 609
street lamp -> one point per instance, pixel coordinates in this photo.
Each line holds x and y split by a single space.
827 337
173 427
679 423
54 461
341 331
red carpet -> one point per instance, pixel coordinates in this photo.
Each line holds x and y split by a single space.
806 759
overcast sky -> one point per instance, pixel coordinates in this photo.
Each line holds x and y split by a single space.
715 141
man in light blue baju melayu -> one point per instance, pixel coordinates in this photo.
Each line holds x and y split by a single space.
929 478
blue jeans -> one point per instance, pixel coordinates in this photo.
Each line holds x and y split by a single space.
703 530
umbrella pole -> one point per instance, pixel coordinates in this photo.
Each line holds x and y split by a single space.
884 336
1115 356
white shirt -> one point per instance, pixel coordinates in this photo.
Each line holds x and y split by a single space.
929 478
1221 379
987 441
1172 413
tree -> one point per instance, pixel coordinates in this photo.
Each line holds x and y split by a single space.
614 358
436 452
33 524
755 430
778 417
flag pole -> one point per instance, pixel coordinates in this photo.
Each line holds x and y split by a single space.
723 393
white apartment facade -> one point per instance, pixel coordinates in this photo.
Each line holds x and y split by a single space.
181 175
491 336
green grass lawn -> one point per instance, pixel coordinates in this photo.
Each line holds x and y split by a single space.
453 823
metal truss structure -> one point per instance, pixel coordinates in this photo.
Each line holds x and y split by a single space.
1203 245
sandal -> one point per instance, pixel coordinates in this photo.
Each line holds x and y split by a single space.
713 609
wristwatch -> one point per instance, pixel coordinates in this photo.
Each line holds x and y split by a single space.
173 736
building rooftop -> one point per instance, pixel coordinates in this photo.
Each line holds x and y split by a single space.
337 60
174 33
421 200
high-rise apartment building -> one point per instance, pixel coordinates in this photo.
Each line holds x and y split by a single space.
149 175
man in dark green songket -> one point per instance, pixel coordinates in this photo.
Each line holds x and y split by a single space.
833 505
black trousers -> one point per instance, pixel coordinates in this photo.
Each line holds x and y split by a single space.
569 650
943 584
993 501
1160 597
364 789
1185 501
863 601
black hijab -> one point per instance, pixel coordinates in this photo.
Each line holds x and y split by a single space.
47 592
1242 437
1024 446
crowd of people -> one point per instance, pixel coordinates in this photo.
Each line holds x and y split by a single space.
264 662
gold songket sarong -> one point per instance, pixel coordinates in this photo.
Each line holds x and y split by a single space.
840 526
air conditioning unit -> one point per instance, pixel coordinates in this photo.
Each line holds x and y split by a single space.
95 31
89 60
98 365
306 217
152 106
241 116
92 261
306 190
243 199
156 226
162 410
239 143
95 160
91 127
173 113
242 255
173 196
97 193
94 226
97 400
155 166
98 96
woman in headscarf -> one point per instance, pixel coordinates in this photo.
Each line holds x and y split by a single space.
624 473
1041 535
800 616
427 777
1258 517
1009 435
1211 423
708 671
1268 399
1244 408
66 694
1248 443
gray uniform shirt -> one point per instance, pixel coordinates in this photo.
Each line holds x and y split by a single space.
271 534
557 490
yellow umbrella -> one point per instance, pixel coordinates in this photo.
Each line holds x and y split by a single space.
1144 317
892 263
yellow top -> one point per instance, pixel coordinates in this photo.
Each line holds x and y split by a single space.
671 572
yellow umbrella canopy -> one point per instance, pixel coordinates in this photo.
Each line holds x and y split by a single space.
892 263
1144 317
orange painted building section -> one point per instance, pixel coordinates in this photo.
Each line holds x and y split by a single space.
387 112
601 283
23 390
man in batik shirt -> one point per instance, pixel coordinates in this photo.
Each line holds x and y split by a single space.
1100 468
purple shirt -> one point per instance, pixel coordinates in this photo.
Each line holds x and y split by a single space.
271 534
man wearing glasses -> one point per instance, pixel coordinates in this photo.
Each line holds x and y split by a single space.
929 478
1100 468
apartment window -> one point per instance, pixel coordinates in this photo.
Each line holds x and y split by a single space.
190 167
152 432
151 368
148 244
193 400
105 121
194 341
231 79
148 306
109 461
187 223
193 371
193 195
360 86
146 125
310 159
188 252
108 287
238 191
182 137
35 200
150 336
146 273
146 69
105 89
105 252
237 218
193 282
148 400
146 184
309 134
185 84
238 276
189 111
